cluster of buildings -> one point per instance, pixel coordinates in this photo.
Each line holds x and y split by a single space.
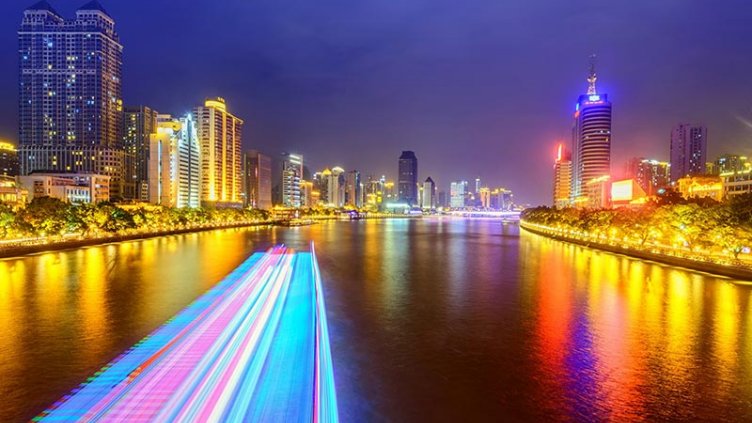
80 143
584 175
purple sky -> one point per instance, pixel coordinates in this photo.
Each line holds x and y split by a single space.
476 88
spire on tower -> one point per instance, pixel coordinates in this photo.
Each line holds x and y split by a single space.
592 77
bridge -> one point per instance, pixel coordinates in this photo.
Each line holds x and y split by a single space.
504 215
253 348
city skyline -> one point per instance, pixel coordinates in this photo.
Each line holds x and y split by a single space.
447 107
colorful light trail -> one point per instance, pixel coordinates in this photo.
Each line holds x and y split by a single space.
253 348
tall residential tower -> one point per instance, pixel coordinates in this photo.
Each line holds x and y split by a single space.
689 145
70 101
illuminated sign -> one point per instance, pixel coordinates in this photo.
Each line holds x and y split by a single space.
622 190
594 98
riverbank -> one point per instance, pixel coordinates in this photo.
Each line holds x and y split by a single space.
730 271
72 243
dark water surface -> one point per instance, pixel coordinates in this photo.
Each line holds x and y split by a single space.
433 320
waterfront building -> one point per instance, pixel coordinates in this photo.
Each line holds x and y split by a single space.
309 196
502 199
626 193
477 186
442 199
591 139
484 195
562 177
174 165
457 191
429 194
69 187
736 183
70 100
651 175
292 174
219 134
11 192
353 189
333 187
139 122
703 186
597 193
257 180
8 159
688 151
407 182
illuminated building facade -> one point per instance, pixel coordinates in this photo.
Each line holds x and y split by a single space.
219 134
353 189
562 177
650 175
70 101
138 123
627 193
11 192
257 180
689 144
333 187
309 196
597 193
736 183
591 139
729 163
704 186
407 182
69 187
8 159
429 194
292 174
174 165
457 191
484 195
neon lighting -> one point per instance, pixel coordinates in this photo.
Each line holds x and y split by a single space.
253 348
558 153
594 98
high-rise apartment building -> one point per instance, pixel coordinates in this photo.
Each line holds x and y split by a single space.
727 163
562 177
257 180
70 101
219 134
407 182
650 175
689 144
8 159
139 123
292 174
429 194
173 165
591 139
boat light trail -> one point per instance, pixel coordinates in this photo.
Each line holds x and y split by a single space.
253 348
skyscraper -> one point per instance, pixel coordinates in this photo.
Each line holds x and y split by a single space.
591 138
353 189
257 180
292 174
562 177
138 123
650 175
219 134
173 163
689 144
70 100
457 191
429 194
333 187
407 182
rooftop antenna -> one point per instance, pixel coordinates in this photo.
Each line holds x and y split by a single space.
592 77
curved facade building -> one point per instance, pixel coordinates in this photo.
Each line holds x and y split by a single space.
591 140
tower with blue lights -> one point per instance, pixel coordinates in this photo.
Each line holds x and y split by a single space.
591 139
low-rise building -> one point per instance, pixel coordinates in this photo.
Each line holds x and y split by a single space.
736 183
70 187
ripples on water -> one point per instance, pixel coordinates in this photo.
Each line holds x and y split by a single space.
440 319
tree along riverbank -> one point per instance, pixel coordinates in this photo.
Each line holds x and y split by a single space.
679 235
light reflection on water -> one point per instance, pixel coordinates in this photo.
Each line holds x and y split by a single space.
440 319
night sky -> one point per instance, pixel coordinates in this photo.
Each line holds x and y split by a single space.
476 88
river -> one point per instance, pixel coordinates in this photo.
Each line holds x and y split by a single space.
431 320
